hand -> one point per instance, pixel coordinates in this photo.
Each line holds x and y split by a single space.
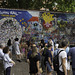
9 52
13 63
39 72
43 48
52 67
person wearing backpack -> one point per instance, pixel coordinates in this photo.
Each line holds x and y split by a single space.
62 57
56 49
43 58
55 58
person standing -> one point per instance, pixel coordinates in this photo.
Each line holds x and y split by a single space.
72 57
34 65
52 43
56 49
1 59
48 60
1 52
9 44
7 61
17 49
62 58
68 61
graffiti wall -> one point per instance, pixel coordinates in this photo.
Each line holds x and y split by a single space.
58 25
36 25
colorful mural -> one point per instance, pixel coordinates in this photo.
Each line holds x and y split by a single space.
57 25
36 25
12 23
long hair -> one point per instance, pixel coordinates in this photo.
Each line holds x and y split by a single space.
9 42
34 52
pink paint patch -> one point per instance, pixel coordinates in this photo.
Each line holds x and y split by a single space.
47 25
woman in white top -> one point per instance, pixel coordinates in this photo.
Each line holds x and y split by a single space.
7 61
17 49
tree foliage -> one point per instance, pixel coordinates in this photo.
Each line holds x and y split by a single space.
62 5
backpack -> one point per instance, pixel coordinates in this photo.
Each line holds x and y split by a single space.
44 52
56 61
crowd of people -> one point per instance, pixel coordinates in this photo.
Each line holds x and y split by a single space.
40 56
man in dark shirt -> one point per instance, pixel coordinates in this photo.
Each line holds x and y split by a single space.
48 60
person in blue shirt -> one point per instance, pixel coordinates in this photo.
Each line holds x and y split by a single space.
56 49
48 60
68 62
72 57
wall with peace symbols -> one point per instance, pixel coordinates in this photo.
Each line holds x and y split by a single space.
36 25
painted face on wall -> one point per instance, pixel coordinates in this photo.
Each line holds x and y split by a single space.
36 26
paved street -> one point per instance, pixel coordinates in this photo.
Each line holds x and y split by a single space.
21 68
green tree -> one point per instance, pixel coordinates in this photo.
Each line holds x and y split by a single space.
12 4
37 4
24 4
62 5
65 5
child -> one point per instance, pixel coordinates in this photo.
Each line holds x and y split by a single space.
7 61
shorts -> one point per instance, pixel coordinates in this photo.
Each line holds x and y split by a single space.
68 65
49 69
18 52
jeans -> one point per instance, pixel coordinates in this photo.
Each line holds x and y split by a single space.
73 70
7 71
48 66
